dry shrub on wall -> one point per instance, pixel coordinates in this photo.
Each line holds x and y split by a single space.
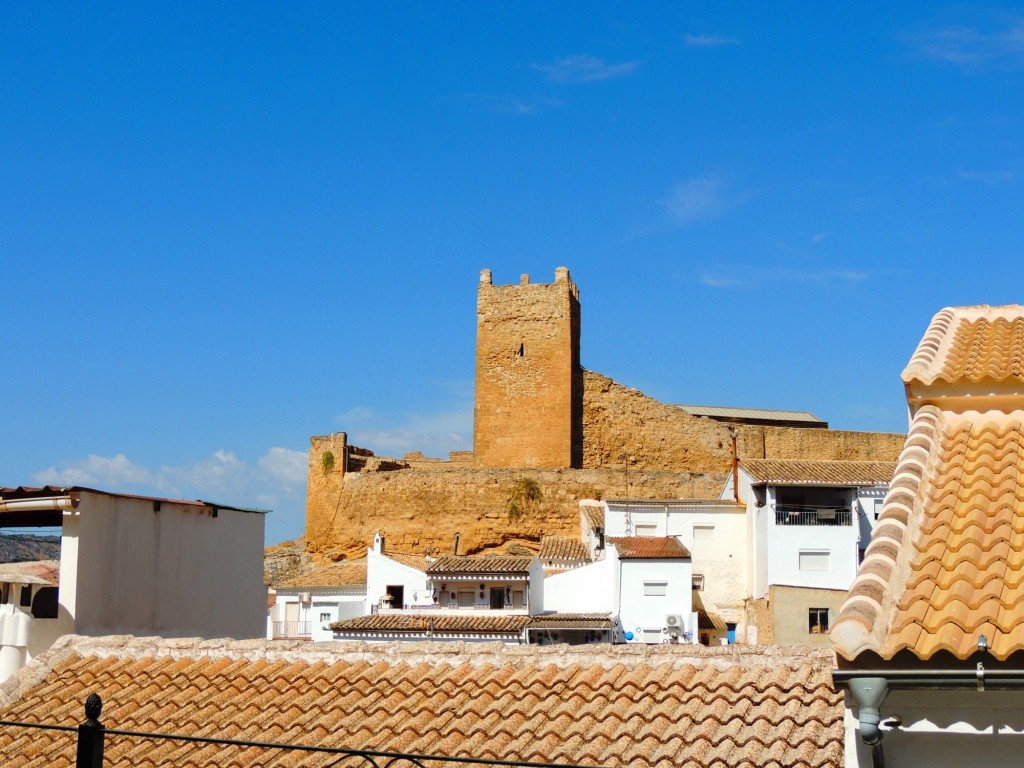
523 498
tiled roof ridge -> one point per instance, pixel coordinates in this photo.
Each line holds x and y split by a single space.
927 352
858 626
494 654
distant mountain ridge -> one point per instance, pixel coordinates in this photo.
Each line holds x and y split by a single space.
23 547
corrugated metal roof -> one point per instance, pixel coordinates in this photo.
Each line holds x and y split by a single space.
759 415
28 492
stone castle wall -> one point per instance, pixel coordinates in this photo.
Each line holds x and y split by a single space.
420 508
527 374
619 421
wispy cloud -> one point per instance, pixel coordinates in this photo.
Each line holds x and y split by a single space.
511 105
434 435
739 277
277 481
584 69
972 47
698 199
989 178
709 41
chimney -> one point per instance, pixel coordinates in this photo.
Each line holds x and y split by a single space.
378 543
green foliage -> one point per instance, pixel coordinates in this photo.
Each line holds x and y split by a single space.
327 463
523 499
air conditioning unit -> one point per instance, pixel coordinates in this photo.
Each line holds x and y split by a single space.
305 598
674 621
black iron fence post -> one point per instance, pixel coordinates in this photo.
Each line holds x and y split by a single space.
90 735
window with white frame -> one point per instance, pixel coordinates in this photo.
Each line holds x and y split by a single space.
655 588
646 529
815 559
325 616
698 582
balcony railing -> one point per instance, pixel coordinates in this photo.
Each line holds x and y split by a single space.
284 630
802 515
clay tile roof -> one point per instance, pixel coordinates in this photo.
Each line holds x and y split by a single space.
419 562
946 560
445 623
968 345
571 621
31 572
594 514
668 705
336 575
485 565
802 472
648 547
562 548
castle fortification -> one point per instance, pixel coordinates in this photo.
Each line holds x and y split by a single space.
539 414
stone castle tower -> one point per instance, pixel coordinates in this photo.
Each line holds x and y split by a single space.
529 383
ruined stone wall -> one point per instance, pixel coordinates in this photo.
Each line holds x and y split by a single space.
527 374
619 421
417 508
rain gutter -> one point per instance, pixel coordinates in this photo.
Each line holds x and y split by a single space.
49 503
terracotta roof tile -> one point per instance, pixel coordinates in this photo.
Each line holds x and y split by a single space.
419 562
571 620
958 571
648 547
469 622
594 514
699 706
970 345
800 472
329 576
484 565
946 561
562 548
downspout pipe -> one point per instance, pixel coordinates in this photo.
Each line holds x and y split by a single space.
869 693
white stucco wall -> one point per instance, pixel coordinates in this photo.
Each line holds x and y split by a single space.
943 729
381 571
588 589
639 612
786 542
336 604
720 555
176 572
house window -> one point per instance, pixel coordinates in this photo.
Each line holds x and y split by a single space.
698 582
651 636
817 621
26 596
878 507
703 532
646 529
325 617
655 588
814 560
466 599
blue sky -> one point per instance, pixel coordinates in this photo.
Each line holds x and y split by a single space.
227 227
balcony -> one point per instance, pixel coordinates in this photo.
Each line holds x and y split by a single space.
478 610
293 630
803 515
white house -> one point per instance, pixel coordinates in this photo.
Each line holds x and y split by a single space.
305 606
473 599
137 565
655 579
715 533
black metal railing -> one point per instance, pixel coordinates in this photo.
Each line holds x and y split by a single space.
802 515
93 736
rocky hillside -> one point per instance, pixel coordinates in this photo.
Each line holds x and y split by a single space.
22 547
